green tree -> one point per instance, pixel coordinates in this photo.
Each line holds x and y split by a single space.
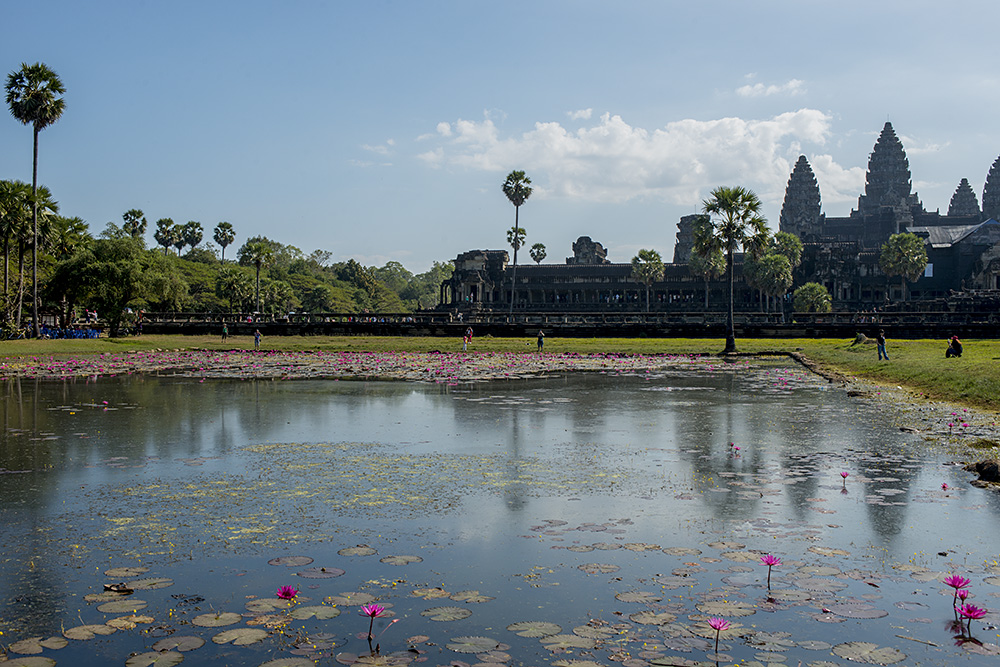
224 236
517 189
192 233
647 268
774 274
165 233
537 252
258 254
812 298
708 267
903 255
235 285
34 95
15 221
788 245
134 223
735 222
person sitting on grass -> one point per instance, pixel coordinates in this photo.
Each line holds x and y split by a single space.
954 348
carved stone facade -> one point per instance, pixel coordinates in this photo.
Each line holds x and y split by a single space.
586 251
684 243
991 192
801 213
964 202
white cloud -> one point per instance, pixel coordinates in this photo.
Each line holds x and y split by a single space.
581 114
792 87
915 147
380 149
612 161
837 184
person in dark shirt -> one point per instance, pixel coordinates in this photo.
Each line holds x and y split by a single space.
954 347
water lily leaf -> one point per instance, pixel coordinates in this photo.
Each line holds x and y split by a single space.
561 642
813 645
240 636
598 568
125 572
290 662
671 582
320 612
182 643
155 659
772 641
430 593
580 548
122 606
400 560
290 561
85 632
30 661
856 610
641 546
534 629
750 556
594 631
351 599
151 583
819 570
576 663
360 550
446 613
681 551
827 551
821 585
992 581
648 617
606 546
868 652
105 596
216 620
267 605
472 644
725 608
638 596
321 573
470 596
128 622
37 644
391 660
727 546
703 629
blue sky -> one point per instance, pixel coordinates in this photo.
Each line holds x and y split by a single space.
384 130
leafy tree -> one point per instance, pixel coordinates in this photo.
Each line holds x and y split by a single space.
34 95
774 274
165 233
812 298
42 210
647 268
134 223
179 241
224 236
903 255
67 235
517 189
537 252
258 254
708 267
788 245
735 221
234 284
424 291
394 275
15 207
192 233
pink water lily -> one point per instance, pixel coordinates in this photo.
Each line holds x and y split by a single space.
944 486
372 611
957 582
770 561
287 592
718 624
971 612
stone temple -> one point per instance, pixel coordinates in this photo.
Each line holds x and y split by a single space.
963 250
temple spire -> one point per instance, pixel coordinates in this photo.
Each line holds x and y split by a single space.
800 212
991 193
888 179
964 201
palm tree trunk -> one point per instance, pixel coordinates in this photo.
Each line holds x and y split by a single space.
513 274
20 283
257 291
34 238
730 327
706 292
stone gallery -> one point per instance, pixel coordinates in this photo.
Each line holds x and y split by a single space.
963 251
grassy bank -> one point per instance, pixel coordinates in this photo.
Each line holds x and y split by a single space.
919 365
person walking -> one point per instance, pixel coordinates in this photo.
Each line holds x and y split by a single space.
466 339
225 332
880 342
541 339
256 339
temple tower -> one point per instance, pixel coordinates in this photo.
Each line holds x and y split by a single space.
684 242
888 180
991 193
964 201
800 213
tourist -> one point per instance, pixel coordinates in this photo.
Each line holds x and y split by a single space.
954 348
541 339
467 339
256 339
225 332
880 341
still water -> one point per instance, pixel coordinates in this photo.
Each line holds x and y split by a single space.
609 514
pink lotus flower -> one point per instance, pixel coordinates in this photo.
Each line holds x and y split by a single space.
963 594
287 592
957 582
845 474
944 486
770 561
971 612
718 624
372 611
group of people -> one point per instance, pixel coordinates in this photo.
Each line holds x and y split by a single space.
954 346
467 338
256 336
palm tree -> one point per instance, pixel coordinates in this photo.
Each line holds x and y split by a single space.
134 223
14 198
165 233
33 95
259 254
517 188
904 255
192 233
538 253
735 221
224 235
647 268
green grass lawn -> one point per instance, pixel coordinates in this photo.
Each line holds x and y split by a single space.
919 365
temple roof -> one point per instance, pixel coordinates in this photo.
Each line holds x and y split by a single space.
888 178
800 212
944 236
991 192
964 201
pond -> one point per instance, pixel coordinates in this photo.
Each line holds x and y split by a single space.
589 518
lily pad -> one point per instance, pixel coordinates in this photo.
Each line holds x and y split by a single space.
638 596
351 599
470 596
576 663
360 550
562 642
703 629
598 568
182 643
641 546
38 644
151 583
125 572
431 593
827 551
400 560
856 610
648 617
266 605
240 636
681 551
472 644
534 629
725 608
672 581
289 662
446 613
155 659
216 620
30 661
321 612
85 632
122 606
594 631
128 622
321 573
868 652
290 561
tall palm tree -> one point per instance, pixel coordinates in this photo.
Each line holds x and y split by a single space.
224 235
34 97
134 222
735 221
192 233
14 206
165 233
647 268
517 188
259 254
